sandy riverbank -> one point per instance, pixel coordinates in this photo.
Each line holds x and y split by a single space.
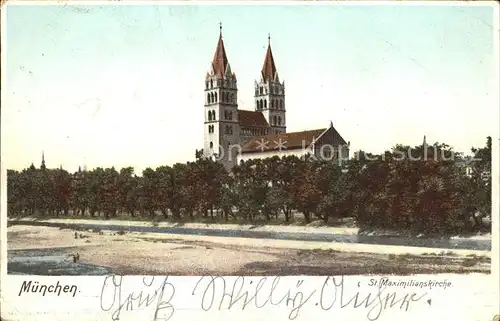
312 228
148 253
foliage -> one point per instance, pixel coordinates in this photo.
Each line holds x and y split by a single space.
429 193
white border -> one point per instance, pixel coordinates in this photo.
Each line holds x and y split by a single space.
256 2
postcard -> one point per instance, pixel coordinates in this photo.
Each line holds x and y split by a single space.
250 161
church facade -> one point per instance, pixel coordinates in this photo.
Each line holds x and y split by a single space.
232 135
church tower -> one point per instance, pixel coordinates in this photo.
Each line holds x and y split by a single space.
221 108
270 94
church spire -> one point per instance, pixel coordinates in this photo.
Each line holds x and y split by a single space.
269 68
220 62
42 166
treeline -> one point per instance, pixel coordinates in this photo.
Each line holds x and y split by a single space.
432 195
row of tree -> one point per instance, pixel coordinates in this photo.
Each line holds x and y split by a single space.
431 195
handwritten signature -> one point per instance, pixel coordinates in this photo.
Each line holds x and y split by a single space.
217 293
376 303
237 294
220 293
111 297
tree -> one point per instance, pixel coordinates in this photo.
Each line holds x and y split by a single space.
128 195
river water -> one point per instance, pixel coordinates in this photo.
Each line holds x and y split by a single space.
49 262
442 243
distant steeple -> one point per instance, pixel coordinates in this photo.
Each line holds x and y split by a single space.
424 148
42 166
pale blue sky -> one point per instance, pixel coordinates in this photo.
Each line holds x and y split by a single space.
123 85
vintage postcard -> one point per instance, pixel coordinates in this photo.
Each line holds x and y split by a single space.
250 161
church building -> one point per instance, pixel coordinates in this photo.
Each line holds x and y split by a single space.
232 135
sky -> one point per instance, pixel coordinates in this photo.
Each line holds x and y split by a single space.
122 85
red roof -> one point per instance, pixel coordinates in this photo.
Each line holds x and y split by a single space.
220 61
248 118
269 68
289 140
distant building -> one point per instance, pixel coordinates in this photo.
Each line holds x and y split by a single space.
468 168
232 134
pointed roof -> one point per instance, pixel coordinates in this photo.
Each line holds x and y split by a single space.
220 62
269 68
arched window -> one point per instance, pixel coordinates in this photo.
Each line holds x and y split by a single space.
260 90
272 103
208 98
211 145
213 114
274 120
232 98
211 83
230 115
209 115
265 103
211 98
215 97
279 120
281 104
